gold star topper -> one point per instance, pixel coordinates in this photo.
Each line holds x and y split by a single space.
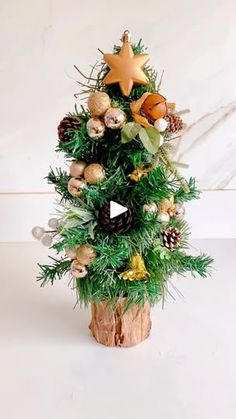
126 67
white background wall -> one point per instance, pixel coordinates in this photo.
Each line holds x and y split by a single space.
194 41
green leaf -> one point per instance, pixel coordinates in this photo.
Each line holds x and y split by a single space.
129 132
150 138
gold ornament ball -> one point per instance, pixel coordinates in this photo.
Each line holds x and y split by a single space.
85 254
94 173
179 212
163 217
95 128
150 207
77 168
75 186
114 118
98 103
78 270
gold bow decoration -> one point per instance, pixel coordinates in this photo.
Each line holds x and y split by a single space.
139 172
167 206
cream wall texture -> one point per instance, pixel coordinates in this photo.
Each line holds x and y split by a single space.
193 41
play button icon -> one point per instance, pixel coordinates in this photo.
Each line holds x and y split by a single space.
116 209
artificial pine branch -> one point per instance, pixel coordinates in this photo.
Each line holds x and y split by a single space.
60 179
49 273
164 157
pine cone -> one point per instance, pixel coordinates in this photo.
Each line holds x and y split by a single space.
67 123
171 237
119 224
175 123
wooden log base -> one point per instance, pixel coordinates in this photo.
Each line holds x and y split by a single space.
113 328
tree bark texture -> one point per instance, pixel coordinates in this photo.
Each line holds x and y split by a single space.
111 327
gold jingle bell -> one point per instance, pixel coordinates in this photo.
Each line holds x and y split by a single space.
95 128
154 106
114 118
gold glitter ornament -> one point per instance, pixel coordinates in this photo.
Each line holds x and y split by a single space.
94 173
77 168
85 254
98 103
137 269
78 270
154 106
95 128
75 186
114 118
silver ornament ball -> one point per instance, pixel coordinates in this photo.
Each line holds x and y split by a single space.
78 270
179 212
75 186
38 232
163 217
95 128
114 118
150 207
77 168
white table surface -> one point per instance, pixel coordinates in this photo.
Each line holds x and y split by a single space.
51 368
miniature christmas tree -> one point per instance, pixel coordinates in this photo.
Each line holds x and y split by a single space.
120 232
